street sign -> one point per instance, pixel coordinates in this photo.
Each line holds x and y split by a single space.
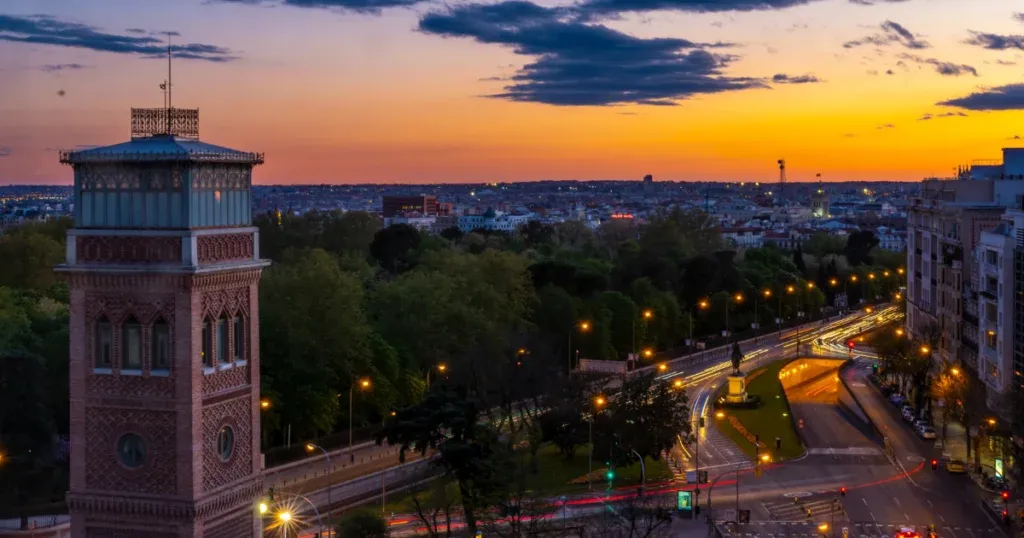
744 516
684 500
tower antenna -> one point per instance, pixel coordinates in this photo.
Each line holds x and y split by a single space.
782 179
167 105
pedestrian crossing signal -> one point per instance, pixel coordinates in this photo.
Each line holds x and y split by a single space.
935 464
842 491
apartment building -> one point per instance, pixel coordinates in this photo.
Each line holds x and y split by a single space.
994 262
946 220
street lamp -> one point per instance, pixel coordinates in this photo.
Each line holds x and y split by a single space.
310 447
925 350
739 299
899 332
363 385
702 305
646 315
264 404
662 367
955 371
583 326
264 508
598 403
766 293
648 353
678 383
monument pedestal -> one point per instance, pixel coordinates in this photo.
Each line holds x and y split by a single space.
737 388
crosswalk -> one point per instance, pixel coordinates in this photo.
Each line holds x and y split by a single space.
805 529
849 451
804 509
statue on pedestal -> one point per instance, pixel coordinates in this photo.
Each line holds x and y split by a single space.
737 358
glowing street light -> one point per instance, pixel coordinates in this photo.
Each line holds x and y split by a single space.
790 289
703 304
765 458
264 508
264 404
720 414
955 371
648 353
584 326
678 383
899 332
900 270
833 282
648 314
925 350
599 401
662 367
810 285
284 516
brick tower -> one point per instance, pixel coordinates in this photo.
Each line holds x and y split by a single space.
163 268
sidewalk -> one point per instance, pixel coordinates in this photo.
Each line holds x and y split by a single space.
955 448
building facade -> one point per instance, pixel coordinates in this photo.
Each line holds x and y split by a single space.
993 261
425 205
163 268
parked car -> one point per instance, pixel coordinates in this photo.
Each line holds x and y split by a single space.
898 399
956 466
995 482
926 432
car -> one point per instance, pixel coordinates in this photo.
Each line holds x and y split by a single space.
956 467
907 532
995 482
926 432
909 415
898 399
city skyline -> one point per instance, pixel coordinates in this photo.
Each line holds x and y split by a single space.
418 92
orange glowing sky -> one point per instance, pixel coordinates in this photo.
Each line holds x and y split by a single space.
336 96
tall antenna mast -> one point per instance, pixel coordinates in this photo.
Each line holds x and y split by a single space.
168 105
782 178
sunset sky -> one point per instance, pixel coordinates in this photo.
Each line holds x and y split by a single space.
407 91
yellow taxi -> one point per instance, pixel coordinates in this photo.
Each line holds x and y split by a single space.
956 466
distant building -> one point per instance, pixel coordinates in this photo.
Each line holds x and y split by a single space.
819 203
744 237
393 206
493 221
648 183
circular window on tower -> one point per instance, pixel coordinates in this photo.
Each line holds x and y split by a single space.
131 451
225 442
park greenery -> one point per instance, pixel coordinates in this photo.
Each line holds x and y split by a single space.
454 329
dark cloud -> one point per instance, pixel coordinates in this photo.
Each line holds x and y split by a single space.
957 114
46 30
1009 97
892 33
587 64
782 78
1019 16
886 126
889 72
1014 137
5 151
872 72
996 41
135 31
356 6
51 68
1006 62
941 67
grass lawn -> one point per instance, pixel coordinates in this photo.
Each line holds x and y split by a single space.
557 476
771 420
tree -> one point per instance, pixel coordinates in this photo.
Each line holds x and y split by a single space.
642 516
394 247
642 421
363 523
537 234
448 423
28 259
858 247
351 231
564 423
27 434
315 341
453 234
798 260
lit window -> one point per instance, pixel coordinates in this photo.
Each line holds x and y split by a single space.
104 338
131 346
161 344
239 338
222 341
207 353
131 451
225 443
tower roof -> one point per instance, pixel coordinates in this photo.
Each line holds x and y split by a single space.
162 134
161 148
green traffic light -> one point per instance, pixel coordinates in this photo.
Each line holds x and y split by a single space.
609 475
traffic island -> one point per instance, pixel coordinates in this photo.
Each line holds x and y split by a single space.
764 423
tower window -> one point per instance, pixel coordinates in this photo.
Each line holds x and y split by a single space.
104 338
131 451
160 355
225 443
222 341
239 338
207 354
131 346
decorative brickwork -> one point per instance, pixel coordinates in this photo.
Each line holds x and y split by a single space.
127 249
129 386
224 248
104 472
236 414
222 380
110 532
223 280
225 302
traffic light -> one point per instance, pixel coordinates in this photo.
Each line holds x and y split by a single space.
842 491
1006 496
850 344
610 476
270 493
874 368
935 464
778 443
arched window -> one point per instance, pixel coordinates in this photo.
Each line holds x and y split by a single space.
160 342
222 340
131 345
103 343
239 324
207 354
